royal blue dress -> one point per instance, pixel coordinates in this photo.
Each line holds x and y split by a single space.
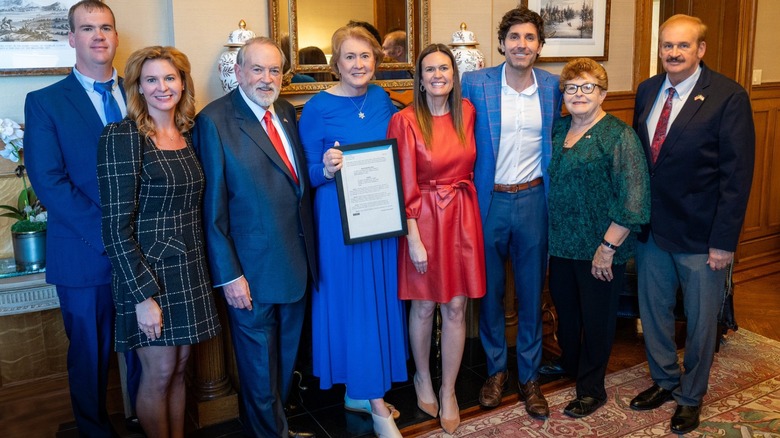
358 322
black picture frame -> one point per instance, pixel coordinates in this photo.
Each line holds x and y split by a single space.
370 194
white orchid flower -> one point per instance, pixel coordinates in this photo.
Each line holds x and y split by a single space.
12 135
40 217
10 153
10 131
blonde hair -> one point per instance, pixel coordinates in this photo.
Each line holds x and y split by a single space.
701 28
136 102
359 33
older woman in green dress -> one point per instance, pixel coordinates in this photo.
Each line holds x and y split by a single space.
598 195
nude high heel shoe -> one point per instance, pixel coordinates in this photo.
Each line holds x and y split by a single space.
384 427
431 409
450 425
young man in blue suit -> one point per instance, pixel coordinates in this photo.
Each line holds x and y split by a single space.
259 230
696 126
516 105
63 124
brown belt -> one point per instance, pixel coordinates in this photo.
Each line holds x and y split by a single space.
514 188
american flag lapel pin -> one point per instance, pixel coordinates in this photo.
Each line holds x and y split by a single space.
699 97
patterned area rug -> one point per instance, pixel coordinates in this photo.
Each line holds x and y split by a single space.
743 401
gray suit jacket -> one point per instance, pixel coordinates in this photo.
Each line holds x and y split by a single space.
258 221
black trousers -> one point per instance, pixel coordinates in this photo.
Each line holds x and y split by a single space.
587 314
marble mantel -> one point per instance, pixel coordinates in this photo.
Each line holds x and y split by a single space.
24 292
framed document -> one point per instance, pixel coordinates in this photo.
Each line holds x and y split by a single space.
371 198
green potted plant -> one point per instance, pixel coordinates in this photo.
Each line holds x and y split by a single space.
29 230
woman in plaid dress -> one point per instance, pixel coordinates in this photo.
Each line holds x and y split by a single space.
151 189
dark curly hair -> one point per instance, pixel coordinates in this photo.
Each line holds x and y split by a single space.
519 15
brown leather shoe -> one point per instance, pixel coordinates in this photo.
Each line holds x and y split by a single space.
535 403
490 394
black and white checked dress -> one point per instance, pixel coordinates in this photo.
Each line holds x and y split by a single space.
153 234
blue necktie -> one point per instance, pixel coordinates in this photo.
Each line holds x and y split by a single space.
110 107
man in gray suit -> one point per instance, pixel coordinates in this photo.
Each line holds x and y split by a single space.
259 230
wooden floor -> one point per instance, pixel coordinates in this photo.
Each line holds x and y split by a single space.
40 408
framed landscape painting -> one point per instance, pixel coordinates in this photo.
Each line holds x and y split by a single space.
573 29
34 37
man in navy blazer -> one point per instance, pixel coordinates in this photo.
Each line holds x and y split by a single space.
696 126
259 230
63 124
516 105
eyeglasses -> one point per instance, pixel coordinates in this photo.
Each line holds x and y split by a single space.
586 88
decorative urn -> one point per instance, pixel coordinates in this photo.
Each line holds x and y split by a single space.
29 250
464 47
227 60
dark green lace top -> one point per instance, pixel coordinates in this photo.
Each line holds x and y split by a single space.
601 179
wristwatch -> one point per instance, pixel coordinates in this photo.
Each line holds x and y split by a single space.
609 245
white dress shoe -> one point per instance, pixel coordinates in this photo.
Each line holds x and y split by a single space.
385 427
364 406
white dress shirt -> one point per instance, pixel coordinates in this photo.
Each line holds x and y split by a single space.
259 112
519 157
682 92
96 98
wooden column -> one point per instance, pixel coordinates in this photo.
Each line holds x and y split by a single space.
212 398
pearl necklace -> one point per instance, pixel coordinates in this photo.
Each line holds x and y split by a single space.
361 114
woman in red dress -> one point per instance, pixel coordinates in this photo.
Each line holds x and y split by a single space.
441 260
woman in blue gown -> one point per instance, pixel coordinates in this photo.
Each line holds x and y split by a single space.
359 328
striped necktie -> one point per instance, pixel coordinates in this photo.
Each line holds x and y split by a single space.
663 122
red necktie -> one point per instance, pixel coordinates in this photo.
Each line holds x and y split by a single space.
277 142
660 129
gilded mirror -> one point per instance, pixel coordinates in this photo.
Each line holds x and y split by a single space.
304 28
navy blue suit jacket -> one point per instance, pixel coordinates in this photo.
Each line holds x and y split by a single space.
700 183
62 129
258 222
